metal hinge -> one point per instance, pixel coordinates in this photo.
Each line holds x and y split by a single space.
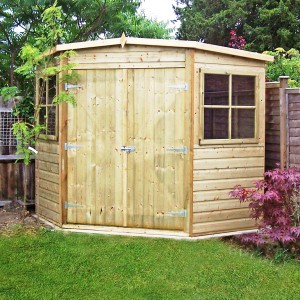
181 150
181 213
67 205
72 86
70 146
183 86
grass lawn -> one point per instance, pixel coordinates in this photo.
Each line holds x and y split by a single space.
53 265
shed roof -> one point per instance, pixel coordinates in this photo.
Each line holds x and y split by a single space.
123 40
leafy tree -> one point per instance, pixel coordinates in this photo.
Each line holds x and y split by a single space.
264 24
21 22
285 63
39 64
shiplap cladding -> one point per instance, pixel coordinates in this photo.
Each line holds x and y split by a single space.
47 181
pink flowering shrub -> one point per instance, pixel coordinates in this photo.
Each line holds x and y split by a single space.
236 42
275 203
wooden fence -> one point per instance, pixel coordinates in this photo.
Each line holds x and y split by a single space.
12 177
282 124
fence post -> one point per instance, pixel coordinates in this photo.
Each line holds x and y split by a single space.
283 81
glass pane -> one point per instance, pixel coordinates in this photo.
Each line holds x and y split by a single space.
216 123
51 89
42 91
243 90
216 89
51 126
243 123
42 118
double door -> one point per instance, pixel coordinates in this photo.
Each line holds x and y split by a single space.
128 144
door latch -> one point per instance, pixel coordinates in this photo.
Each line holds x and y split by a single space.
128 149
183 150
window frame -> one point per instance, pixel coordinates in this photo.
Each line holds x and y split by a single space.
230 140
45 136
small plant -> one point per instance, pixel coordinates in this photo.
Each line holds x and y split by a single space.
274 202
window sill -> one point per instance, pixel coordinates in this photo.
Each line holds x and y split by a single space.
228 142
48 137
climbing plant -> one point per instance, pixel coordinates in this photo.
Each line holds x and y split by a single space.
39 64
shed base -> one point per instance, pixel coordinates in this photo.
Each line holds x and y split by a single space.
140 232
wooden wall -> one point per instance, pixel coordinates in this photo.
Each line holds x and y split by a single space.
47 181
216 171
282 124
218 168
272 125
293 128
12 179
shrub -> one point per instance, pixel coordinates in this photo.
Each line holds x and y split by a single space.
285 63
275 203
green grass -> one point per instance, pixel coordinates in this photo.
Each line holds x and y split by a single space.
53 265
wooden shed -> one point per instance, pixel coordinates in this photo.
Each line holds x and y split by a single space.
161 132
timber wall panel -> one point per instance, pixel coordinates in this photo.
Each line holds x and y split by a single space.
141 58
47 181
272 125
216 171
294 129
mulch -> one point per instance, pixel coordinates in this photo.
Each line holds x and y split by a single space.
14 217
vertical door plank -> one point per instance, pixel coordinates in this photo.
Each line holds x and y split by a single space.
180 141
71 154
159 144
120 92
130 141
170 157
80 191
148 159
90 146
110 148
100 136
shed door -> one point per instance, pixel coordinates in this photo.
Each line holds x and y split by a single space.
146 186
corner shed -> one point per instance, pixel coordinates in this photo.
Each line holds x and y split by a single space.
161 132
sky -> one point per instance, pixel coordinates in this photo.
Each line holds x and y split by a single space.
159 9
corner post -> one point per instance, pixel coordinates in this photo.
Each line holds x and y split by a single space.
283 84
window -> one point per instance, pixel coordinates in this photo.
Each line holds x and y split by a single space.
229 107
48 110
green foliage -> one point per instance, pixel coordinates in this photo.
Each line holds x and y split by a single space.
264 24
37 64
25 22
64 97
9 92
138 26
286 63
26 134
24 108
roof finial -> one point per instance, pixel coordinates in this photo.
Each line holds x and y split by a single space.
123 40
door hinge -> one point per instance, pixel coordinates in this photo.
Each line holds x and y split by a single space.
67 205
183 86
70 146
180 150
72 86
181 213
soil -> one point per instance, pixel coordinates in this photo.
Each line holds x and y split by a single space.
13 216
